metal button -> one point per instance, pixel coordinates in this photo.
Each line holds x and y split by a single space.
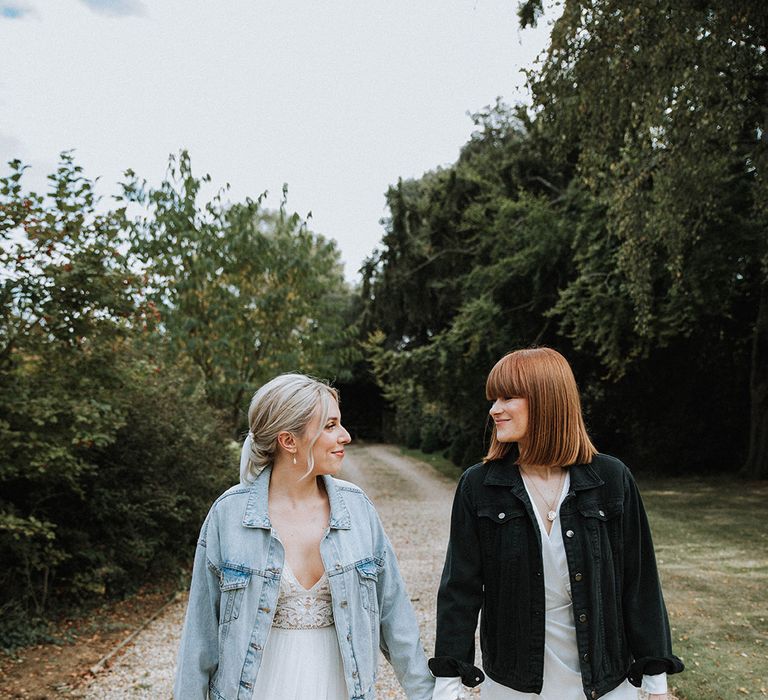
354 674
593 694
578 576
343 603
349 637
257 647
265 610
582 618
602 513
569 533
585 657
502 516
338 566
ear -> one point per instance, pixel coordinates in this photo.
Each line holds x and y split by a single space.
287 441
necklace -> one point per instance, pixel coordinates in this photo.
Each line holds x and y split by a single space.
551 512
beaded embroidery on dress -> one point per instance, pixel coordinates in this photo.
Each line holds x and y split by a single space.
300 608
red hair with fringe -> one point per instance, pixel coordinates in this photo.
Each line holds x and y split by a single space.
557 435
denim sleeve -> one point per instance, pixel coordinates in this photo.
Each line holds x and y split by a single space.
400 637
198 652
645 615
460 595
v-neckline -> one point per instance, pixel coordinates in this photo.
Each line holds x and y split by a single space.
539 517
289 570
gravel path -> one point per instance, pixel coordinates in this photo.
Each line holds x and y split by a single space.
414 503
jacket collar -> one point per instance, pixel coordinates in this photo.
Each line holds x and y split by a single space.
257 510
505 472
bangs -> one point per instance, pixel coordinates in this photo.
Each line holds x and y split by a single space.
506 380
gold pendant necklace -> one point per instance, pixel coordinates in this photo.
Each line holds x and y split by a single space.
551 512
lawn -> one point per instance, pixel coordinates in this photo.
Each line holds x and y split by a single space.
711 538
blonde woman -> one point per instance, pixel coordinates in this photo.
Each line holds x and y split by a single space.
295 585
549 541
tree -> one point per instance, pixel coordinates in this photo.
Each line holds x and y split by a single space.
665 105
242 293
107 461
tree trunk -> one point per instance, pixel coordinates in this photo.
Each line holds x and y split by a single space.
756 466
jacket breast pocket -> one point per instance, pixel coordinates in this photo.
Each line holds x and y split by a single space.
232 581
604 523
368 571
500 528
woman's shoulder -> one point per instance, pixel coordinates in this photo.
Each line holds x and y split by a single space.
351 492
476 473
608 463
234 497
610 468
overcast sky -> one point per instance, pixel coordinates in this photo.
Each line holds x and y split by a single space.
336 98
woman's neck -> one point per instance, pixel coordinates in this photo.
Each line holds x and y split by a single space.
542 471
289 483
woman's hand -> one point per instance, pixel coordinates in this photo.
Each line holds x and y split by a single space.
658 696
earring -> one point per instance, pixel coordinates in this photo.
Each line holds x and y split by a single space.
294 460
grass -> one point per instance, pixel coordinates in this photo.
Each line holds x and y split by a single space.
711 539
436 460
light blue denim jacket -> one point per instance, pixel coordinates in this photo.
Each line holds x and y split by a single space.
235 586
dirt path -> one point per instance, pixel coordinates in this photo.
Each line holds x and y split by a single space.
414 504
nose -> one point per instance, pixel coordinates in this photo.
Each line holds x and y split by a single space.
344 436
494 409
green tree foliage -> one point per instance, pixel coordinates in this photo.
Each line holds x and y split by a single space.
667 106
471 262
242 293
621 219
107 461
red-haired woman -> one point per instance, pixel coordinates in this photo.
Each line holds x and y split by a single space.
549 539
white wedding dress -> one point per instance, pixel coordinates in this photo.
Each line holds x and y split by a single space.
301 659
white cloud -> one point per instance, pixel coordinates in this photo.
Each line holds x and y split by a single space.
15 10
116 8
10 148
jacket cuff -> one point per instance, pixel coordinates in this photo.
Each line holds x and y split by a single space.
447 666
653 666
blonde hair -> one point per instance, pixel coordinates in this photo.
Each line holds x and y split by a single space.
556 435
288 402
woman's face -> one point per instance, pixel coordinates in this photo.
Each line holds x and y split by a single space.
328 450
510 414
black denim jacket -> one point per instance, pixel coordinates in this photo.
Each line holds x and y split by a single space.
494 564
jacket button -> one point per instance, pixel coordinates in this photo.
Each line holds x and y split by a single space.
264 610
583 618
257 647
343 604
502 516
593 694
569 533
585 657
578 576
602 513
354 674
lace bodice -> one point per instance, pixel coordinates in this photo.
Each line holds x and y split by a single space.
302 608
